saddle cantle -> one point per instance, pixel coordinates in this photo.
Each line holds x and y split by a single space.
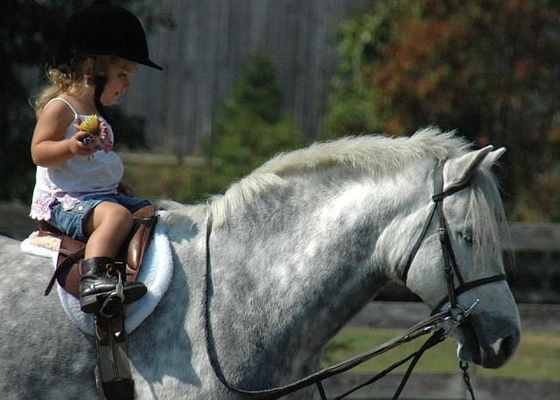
71 252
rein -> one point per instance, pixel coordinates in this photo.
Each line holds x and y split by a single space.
433 324
440 323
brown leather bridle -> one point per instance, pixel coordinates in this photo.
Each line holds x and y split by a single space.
451 267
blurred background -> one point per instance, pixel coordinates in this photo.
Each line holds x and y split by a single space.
246 79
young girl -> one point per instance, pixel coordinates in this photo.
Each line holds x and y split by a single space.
78 183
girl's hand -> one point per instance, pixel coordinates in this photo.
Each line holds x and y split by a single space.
83 143
126 188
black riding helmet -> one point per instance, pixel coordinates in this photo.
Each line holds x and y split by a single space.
103 29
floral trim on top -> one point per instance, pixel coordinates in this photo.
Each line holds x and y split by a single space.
41 208
69 201
106 144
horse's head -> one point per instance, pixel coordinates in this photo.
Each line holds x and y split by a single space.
458 263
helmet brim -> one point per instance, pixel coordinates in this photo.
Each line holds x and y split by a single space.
104 29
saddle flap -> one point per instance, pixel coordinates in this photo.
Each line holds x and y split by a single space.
69 256
140 237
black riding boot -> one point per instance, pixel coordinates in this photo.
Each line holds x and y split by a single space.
99 292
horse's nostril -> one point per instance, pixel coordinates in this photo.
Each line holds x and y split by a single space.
509 345
502 350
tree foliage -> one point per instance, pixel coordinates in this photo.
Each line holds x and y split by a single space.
24 26
248 129
488 68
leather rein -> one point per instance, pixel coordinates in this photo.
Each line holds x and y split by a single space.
440 323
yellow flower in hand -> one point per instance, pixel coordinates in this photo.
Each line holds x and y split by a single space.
90 125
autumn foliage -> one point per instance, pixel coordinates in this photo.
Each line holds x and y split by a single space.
487 68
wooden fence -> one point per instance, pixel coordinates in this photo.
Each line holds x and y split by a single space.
212 41
534 269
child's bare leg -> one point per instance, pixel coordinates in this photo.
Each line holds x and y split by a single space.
108 226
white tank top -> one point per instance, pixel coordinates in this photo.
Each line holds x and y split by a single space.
77 178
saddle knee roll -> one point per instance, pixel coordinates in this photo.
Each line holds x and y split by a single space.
140 238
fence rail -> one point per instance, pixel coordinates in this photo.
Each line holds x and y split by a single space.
534 271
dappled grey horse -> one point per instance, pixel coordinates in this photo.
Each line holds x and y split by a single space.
297 248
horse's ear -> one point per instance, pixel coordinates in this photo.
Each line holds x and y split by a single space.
460 170
493 157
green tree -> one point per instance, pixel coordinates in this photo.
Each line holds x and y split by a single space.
249 128
488 68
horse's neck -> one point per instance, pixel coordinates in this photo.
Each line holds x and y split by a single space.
310 264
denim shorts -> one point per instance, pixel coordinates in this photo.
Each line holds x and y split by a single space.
72 222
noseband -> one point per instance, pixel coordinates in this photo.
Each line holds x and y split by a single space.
451 268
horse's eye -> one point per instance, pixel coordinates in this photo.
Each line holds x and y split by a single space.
467 237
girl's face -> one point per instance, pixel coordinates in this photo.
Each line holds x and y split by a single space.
118 75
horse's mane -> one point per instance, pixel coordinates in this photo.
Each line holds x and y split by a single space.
379 155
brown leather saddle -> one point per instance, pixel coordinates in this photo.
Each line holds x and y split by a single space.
71 251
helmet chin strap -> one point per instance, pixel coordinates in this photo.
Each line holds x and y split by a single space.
96 69
100 81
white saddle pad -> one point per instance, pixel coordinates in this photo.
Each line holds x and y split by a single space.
156 273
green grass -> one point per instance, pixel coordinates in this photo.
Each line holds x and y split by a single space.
538 355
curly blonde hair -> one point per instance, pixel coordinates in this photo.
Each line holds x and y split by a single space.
61 80
76 75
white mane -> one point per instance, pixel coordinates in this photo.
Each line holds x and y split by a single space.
379 155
